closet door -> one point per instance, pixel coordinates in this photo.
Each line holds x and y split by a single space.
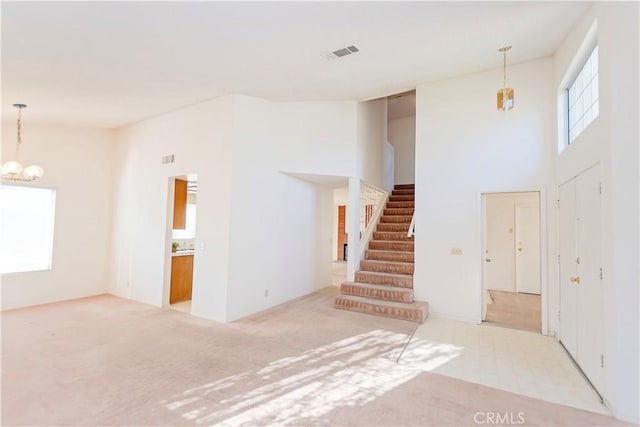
590 305
568 268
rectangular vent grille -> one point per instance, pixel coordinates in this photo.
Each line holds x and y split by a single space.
169 158
345 51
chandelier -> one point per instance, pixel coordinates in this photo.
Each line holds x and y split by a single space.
12 170
505 95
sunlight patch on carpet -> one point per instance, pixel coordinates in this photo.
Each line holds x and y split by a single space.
292 390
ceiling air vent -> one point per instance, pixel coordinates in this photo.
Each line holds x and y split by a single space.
344 51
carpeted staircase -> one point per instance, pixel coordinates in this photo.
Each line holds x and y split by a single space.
384 283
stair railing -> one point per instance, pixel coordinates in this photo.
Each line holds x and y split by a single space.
372 203
412 227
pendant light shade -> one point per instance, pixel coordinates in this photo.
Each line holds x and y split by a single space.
12 170
505 94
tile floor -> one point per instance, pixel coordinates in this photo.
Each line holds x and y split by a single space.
518 361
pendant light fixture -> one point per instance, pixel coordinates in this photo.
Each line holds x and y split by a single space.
12 170
505 95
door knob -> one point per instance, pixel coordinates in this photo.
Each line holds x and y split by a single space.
488 259
519 249
575 279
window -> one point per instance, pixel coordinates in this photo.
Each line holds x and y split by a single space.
583 97
26 228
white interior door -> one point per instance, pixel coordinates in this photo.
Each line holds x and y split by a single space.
590 306
527 234
568 253
581 306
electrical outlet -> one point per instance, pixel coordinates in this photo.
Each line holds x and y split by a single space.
456 251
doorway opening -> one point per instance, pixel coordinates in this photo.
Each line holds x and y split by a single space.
183 234
511 280
401 133
340 237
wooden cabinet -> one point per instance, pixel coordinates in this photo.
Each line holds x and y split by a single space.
181 278
180 205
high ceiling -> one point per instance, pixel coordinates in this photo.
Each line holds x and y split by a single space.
108 64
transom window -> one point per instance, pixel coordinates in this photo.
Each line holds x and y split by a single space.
583 97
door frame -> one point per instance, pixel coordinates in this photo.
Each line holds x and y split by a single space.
544 249
168 238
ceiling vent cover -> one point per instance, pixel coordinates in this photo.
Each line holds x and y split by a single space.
345 51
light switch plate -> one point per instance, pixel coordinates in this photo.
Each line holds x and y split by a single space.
456 251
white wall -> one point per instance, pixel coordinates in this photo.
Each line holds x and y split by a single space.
200 137
465 147
267 235
388 166
500 237
313 137
282 226
372 135
371 155
612 140
402 134
78 164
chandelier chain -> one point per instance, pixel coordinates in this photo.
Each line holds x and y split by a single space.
504 71
19 132
13 170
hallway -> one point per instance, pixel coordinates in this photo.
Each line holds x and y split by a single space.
514 309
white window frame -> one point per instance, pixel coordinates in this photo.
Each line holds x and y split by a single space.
582 54
584 91
48 234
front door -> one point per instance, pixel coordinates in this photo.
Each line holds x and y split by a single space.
568 271
590 307
527 227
